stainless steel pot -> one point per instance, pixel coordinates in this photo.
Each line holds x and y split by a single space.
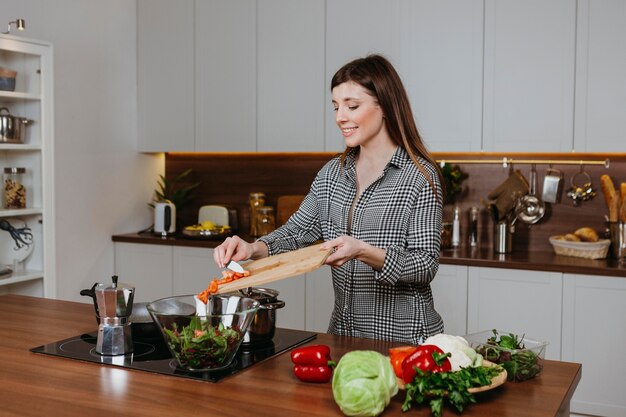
263 326
12 129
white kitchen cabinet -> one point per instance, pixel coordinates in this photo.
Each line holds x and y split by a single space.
436 48
146 267
450 295
225 75
594 334
165 75
292 292
518 301
600 125
32 99
193 270
320 299
529 75
290 76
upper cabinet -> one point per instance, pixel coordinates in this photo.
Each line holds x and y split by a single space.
27 209
165 75
436 47
290 76
482 75
529 75
600 125
219 82
225 75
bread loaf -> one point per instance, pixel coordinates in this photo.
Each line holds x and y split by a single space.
570 237
587 234
608 189
622 209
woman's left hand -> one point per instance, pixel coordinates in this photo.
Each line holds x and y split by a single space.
347 248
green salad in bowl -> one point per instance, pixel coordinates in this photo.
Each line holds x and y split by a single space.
203 337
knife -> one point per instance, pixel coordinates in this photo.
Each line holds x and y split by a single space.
234 266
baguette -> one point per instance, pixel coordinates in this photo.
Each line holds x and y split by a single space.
622 209
608 189
614 208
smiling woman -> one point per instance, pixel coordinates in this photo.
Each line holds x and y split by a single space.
378 206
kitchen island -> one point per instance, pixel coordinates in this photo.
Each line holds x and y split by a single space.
41 385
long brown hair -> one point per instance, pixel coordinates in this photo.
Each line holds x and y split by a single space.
376 74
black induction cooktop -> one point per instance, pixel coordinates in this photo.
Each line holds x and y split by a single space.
150 353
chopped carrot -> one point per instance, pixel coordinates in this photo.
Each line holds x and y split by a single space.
227 276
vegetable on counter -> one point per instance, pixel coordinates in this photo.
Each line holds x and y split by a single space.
312 363
363 383
461 353
397 355
509 351
452 387
427 358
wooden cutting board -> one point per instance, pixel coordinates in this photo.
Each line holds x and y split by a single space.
277 267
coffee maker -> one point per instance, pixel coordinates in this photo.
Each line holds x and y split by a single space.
114 305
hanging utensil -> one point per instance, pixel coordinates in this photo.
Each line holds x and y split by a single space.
581 192
530 208
552 186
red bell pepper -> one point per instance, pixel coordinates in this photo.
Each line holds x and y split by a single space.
312 363
428 358
397 355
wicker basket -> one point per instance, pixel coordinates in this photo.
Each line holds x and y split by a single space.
588 250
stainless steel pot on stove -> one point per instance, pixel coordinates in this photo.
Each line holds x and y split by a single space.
263 326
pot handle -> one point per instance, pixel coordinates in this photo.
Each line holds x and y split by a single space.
272 306
5 109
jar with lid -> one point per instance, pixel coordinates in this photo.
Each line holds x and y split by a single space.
265 220
256 200
14 190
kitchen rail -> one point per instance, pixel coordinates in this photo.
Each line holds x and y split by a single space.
467 256
75 388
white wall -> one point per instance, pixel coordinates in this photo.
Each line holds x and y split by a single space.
102 184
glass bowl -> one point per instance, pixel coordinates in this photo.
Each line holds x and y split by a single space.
203 337
520 364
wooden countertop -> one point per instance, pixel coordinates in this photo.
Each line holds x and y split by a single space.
534 261
40 385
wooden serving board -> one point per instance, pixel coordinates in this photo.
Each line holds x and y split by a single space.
277 267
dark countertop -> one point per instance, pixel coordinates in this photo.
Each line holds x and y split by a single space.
485 257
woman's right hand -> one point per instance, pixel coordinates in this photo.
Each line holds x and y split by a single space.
236 249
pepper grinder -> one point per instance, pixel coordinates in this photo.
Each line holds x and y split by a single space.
456 228
115 305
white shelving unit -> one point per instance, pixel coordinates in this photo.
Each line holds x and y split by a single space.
32 99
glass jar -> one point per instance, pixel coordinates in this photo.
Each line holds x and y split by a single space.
14 190
256 200
265 220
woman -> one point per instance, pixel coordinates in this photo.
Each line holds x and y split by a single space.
378 206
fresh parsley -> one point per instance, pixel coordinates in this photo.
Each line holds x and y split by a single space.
438 388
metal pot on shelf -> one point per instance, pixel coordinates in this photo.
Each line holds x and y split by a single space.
12 129
263 326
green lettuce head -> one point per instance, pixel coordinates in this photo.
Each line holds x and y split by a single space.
363 383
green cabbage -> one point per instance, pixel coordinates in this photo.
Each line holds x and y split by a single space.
363 383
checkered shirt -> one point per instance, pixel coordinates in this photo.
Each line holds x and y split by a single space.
398 212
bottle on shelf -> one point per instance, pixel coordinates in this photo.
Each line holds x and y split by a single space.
473 226
456 228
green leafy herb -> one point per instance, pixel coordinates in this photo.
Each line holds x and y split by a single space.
435 389
201 345
174 190
509 351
